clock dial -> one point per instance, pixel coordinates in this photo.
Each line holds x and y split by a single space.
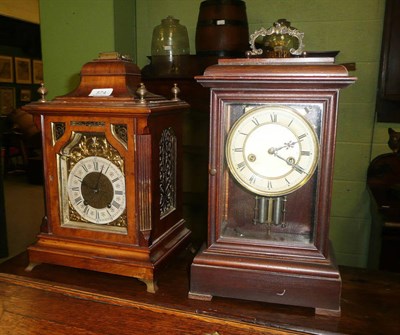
96 190
272 150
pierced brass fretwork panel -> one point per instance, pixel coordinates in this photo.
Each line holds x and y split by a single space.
167 172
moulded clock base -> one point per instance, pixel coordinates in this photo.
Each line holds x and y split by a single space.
141 263
289 282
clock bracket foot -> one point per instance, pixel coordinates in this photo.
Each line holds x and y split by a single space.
31 266
150 284
328 312
200 296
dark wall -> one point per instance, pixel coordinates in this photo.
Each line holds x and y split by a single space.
20 39
23 37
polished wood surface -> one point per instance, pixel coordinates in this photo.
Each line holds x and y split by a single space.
60 300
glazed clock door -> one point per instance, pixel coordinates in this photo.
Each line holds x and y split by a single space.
271 151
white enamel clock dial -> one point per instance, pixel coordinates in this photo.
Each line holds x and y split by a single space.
272 150
96 190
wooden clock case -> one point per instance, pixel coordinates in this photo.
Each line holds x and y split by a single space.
148 240
287 272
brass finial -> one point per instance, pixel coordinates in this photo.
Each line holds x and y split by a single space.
142 92
175 91
42 90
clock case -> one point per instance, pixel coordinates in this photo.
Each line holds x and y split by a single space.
284 269
134 126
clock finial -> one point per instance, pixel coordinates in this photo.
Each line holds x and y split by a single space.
142 92
175 91
42 90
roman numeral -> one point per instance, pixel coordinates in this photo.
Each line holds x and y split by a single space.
255 121
108 166
274 117
78 200
96 165
305 153
238 149
116 204
302 136
109 214
299 169
252 179
241 166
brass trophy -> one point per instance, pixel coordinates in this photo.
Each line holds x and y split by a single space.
280 41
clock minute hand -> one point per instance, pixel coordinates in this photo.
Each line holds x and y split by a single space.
290 161
96 188
286 145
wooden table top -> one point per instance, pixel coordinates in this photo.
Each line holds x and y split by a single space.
60 300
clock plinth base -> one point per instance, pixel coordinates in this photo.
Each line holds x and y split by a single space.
328 312
142 263
289 282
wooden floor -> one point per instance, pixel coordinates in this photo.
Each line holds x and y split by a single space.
58 300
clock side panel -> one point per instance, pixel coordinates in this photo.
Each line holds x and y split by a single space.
70 140
166 188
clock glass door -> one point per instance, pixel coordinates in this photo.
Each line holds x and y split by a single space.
269 182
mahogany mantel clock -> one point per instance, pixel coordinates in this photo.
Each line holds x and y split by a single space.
113 170
272 143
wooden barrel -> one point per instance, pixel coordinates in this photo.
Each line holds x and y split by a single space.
222 29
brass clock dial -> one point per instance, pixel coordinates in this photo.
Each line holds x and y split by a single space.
96 190
272 150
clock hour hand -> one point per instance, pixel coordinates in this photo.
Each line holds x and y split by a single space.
84 183
286 145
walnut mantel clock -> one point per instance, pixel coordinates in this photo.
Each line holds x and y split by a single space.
272 142
113 170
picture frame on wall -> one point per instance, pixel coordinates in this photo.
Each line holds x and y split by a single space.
7 100
23 72
6 69
25 95
37 71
